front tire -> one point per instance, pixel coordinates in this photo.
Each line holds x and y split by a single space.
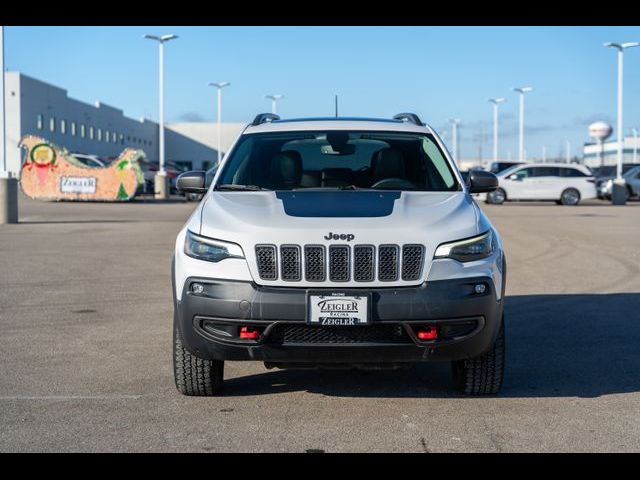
482 375
496 197
195 376
570 197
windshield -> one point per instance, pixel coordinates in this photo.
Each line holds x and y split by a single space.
338 160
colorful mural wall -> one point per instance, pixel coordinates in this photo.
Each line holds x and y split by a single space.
51 173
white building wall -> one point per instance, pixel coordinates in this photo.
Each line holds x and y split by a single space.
29 100
207 133
591 152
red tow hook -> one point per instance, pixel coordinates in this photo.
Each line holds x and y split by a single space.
249 333
427 333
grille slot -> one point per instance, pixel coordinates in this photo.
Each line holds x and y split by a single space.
290 263
363 263
388 263
305 334
339 263
266 259
314 263
412 260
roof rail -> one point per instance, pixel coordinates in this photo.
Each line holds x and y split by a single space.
264 117
409 117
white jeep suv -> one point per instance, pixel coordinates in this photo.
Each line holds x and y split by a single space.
338 242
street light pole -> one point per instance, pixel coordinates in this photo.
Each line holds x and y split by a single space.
618 195
635 144
454 137
274 99
521 91
568 152
8 184
544 154
162 186
219 86
496 102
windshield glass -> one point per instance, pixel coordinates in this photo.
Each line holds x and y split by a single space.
508 171
337 160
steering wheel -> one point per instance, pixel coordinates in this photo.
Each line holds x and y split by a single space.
393 183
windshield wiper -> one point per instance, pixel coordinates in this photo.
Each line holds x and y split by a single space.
240 188
349 187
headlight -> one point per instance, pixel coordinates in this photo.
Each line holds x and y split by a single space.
469 249
210 250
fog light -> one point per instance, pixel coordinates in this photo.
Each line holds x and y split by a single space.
249 333
197 288
480 288
427 333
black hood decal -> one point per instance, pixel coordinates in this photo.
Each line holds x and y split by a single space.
338 203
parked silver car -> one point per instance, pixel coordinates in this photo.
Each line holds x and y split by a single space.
631 178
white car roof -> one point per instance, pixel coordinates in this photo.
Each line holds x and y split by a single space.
306 124
577 166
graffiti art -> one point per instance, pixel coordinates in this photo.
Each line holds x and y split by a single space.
52 173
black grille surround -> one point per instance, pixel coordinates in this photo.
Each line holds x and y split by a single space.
340 263
388 263
266 258
364 269
412 260
314 263
290 264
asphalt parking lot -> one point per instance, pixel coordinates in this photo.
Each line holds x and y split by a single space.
85 347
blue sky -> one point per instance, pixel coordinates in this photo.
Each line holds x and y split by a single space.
437 72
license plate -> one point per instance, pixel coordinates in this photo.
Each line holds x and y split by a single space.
338 309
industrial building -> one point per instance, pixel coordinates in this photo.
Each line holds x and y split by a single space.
630 152
34 107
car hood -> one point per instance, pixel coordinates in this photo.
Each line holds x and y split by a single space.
377 217
363 217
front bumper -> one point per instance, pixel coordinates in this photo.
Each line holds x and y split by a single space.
468 322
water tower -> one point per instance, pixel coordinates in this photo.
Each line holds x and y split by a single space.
600 131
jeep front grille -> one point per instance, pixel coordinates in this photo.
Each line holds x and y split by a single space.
388 263
290 263
266 258
314 263
412 261
340 263
363 263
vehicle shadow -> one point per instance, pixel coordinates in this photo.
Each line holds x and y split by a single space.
579 345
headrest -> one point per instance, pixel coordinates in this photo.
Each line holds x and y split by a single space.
286 169
387 163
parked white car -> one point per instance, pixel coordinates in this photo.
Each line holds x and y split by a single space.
562 183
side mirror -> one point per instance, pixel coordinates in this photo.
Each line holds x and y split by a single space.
192 182
513 177
481 181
